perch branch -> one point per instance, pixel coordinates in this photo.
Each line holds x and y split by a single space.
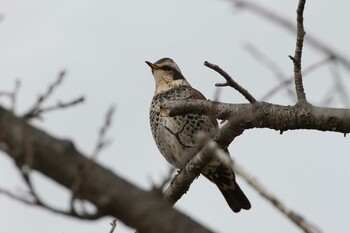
210 150
266 115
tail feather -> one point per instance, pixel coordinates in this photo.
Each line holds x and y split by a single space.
236 199
225 180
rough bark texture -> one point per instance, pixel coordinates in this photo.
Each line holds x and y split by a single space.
112 195
266 115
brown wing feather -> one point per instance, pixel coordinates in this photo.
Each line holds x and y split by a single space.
197 95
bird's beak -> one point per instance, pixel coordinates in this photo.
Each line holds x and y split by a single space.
153 66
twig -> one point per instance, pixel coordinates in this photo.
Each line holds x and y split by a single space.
166 179
113 224
16 197
60 105
270 64
290 214
12 95
290 80
101 143
43 97
38 202
287 24
298 77
25 170
230 82
339 85
37 109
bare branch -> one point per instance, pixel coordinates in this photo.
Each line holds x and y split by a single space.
339 86
166 179
25 170
43 97
182 181
290 214
60 105
270 64
37 109
290 79
113 224
230 82
12 95
102 142
16 197
209 151
298 77
34 201
111 194
289 25
85 170
266 115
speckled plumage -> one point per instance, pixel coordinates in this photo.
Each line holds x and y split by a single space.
175 136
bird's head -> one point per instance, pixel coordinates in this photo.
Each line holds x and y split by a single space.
166 74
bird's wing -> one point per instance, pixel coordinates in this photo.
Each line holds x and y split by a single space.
197 95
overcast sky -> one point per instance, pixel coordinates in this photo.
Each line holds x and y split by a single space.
103 46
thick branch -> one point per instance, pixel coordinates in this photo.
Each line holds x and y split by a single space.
266 115
233 128
182 181
112 195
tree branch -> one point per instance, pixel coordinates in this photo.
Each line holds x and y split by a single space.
37 109
269 64
290 214
230 82
298 77
289 80
266 115
85 170
112 195
182 181
12 95
287 24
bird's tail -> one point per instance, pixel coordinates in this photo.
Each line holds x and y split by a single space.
235 198
224 178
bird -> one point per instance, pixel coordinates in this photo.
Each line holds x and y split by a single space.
175 136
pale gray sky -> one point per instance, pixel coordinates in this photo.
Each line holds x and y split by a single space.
103 45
